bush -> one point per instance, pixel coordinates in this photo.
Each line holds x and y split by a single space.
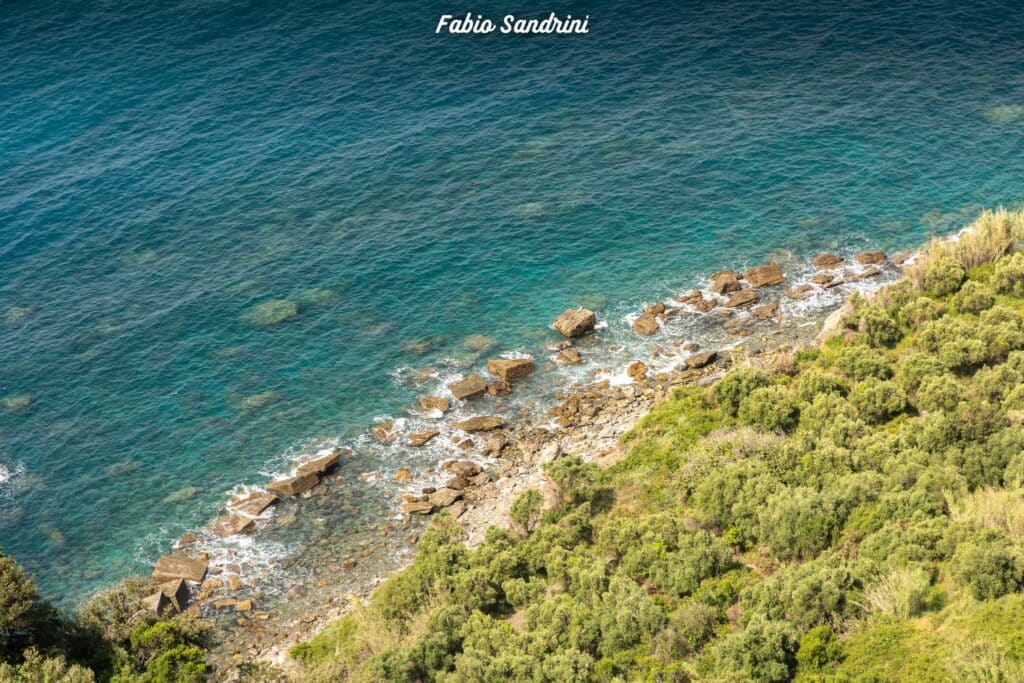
877 327
526 510
730 391
18 606
939 392
769 408
819 650
943 276
762 651
913 369
1008 275
876 401
987 567
861 362
974 297
798 523
992 384
813 382
916 313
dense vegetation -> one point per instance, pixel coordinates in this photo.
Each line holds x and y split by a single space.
111 637
854 513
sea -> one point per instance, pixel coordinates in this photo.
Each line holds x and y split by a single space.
235 234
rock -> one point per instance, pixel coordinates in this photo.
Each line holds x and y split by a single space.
224 603
171 567
700 360
480 423
442 498
243 605
403 474
262 400
417 507
421 347
315 297
764 276
822 278
510 369
705 305
690 347
575 322
457 509
253 504
320 466
17 403
156 604
234 583
799 292
724 282
459 483
870 272
766 311
187 539
470 387
655 309
494 446
637 370
293 486
568 356
229 525
827 261
646 325
418 439
176 592
479 342
271 313
462 468
691 297
832 283
434 403
744 297
866 258
383 431
499 388
900 257
549 453
16 316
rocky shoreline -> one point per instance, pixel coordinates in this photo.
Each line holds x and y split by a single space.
498 458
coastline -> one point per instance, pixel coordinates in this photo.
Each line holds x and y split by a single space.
589 420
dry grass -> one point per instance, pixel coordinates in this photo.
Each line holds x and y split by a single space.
1000 509
900 594
990 236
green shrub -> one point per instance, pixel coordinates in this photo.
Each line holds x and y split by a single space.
526 510
913 369
798 523
943 276
861 362
939 392
994 383
769 408
36 668
819 651
878 327
730 391
813 382
18 606
987 566
762 651
974 297
1008 275
919 311
876 401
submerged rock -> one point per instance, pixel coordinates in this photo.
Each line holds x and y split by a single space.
418 439
262 400
433 403
271 313
15 316
384 432
822 278
470 387
422 347
766 311
510 369
315 298
16 403
799 292
575 322
568 356
764 276
181 495
480 343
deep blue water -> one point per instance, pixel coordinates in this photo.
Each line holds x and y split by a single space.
164 167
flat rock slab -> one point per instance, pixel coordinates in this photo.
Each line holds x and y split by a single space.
481 423
827 261
171 567
866 258
822 278
575 322
293 486
800 291
253 504
417 507
230 525
744 297
764 276
468 388
510 369
442 498
422 438
462 468
321 465
700 360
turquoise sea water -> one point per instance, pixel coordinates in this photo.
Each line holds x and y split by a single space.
165 167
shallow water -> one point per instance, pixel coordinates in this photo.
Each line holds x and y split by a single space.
167 168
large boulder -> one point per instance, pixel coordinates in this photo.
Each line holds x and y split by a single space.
417 507
646 325
172 567
442 498
764 276
700 360
744 297
293 486
724 282
480 423
510 369
462 468
468 388
575 322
